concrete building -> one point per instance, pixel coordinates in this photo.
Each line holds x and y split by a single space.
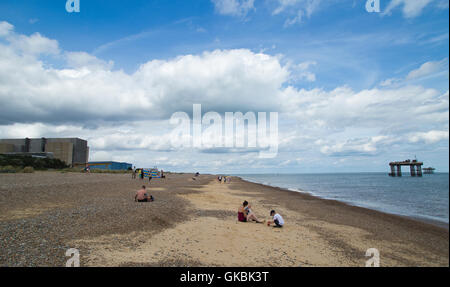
110 165
73 151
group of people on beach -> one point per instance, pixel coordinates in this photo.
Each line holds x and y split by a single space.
140 172
245 214
224 179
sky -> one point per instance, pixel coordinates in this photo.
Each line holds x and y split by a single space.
353 90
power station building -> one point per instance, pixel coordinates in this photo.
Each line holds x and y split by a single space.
73 151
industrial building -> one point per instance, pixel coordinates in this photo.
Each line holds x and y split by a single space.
110 165
73 151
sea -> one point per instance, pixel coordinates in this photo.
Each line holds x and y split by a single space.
424 198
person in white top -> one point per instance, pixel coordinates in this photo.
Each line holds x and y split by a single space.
277 219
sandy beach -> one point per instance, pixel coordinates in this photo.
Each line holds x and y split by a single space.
194 223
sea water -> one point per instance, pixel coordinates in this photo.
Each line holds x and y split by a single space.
424 197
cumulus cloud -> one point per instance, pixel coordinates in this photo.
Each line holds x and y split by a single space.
5 28
124 116
79 60
34 45
233 7
89 89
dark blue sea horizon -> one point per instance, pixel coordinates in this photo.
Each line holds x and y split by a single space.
425 198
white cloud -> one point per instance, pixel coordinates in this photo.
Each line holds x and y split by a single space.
221 80
296 10
308 6
427 69
130 110
34 45
295 19
357 146
5 28
89 89
79 60
411 8
302 72
390 82
350 147
342 107
430 137
233 7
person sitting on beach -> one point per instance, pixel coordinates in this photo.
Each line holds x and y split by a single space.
277 219
143 196
245 213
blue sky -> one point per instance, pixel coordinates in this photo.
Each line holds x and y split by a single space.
334 72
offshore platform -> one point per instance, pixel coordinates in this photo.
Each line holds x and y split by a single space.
415 167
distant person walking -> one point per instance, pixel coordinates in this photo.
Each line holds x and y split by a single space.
133 175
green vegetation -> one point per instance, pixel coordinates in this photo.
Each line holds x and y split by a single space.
17 163
28 164
8 169
12 169
28 169
66 170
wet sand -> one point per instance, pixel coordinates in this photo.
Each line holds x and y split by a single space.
194 223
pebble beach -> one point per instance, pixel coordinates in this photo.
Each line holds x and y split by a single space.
193 222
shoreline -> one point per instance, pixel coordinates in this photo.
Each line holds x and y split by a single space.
431 221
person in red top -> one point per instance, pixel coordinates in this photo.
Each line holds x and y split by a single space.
245 213
142 195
